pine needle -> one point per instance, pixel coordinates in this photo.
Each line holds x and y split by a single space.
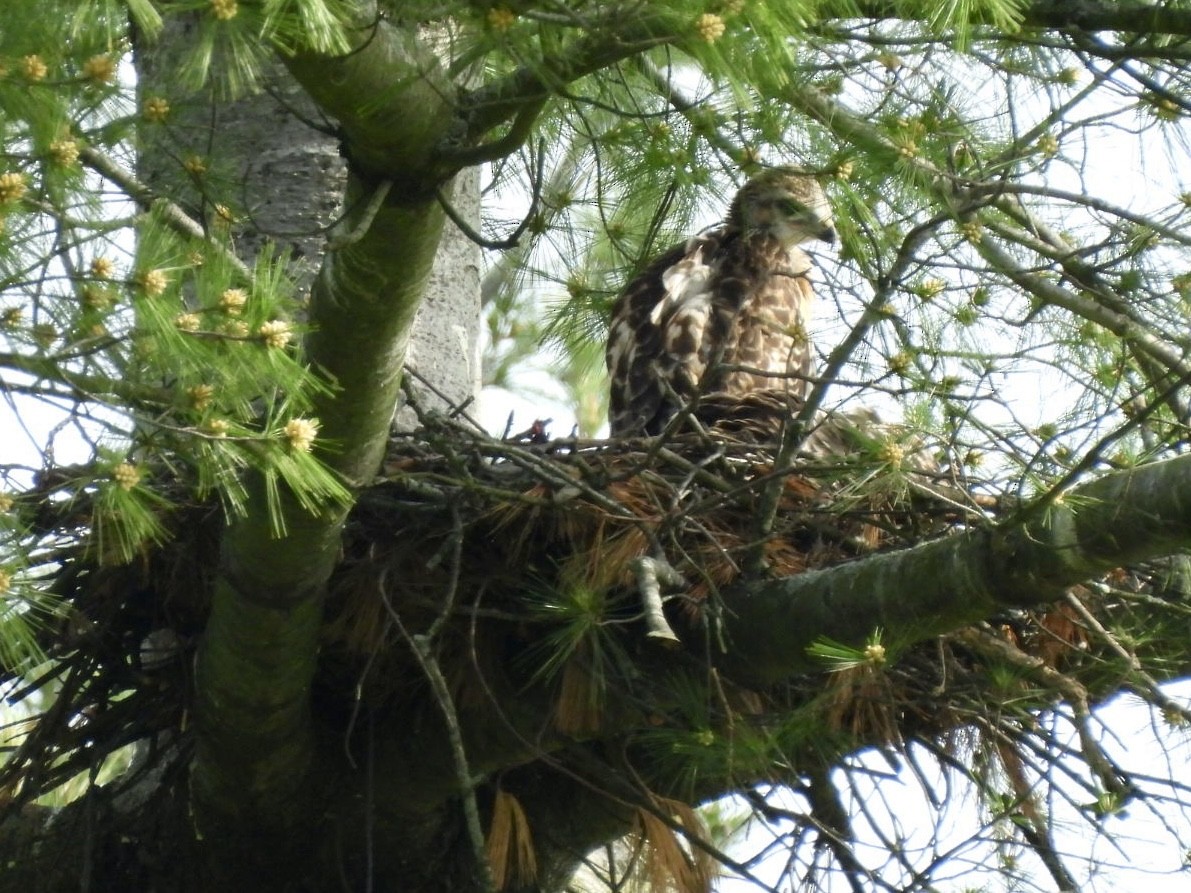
510 848
669 864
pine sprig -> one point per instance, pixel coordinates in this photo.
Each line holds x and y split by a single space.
874 655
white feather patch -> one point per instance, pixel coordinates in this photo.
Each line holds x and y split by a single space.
686 287
798 262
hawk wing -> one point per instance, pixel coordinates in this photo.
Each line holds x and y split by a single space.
657 341
739 305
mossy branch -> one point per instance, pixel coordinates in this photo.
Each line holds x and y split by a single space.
1119 519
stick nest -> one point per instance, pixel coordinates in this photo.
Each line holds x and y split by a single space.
462 530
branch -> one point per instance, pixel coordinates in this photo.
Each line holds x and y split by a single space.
421 644
1117 323
520 96
1005 187
513 139
690 110
944 189
1079 15
651 574
918 593
346 238
1089 15
83 385
146 198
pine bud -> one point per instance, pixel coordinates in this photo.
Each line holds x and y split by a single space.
710 27
224 10
301 433
126 475
276 333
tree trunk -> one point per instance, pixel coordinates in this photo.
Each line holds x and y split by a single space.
274 160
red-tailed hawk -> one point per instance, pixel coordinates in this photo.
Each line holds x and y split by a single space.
726 313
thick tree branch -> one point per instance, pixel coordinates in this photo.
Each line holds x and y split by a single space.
1089 15
391 98
1080 15
530 86
514 137
922 592
362 306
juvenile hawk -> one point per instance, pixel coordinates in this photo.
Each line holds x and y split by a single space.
724 314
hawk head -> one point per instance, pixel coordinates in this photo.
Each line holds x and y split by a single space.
785 203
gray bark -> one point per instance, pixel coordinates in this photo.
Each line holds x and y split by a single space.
445 345
271 153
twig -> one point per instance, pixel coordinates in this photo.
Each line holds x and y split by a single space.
421 644
457 411
983 641
171 213
344 240
797 429
689 109
651 573
831 820
514 240
1149 688
522 93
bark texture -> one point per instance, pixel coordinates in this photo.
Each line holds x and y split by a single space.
919 593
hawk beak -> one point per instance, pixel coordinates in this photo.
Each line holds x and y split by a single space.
827 234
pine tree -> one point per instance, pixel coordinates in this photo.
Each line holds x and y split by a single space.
253 637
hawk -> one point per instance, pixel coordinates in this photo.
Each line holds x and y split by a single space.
725 314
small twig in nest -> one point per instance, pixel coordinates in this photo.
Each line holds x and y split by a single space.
423 650
651 573
456 410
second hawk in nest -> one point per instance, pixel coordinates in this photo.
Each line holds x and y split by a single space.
724 315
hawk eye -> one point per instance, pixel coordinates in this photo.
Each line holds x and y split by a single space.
791 206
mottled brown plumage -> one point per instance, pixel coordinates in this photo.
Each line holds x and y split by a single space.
727 313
